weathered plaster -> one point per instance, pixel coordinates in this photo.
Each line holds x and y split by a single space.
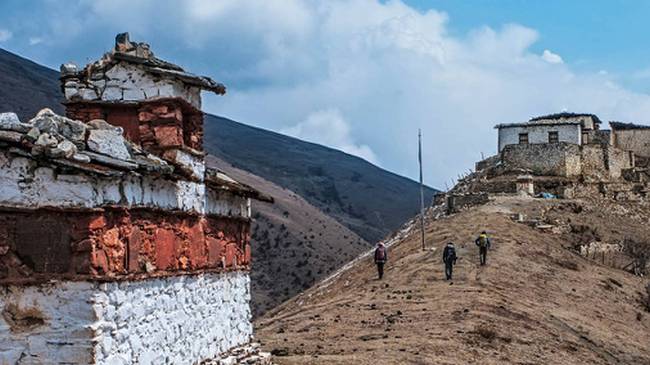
26 184
175 320
538 134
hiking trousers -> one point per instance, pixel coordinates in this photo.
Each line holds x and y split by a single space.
449 268
380 269
482 253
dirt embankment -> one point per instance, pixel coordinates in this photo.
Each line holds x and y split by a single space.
536 302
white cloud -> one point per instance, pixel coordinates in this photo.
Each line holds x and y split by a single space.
375 70
35 40
551 57
330 128
5 35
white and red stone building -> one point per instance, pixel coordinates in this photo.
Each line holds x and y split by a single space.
117 244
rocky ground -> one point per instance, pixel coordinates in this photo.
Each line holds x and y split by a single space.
536 302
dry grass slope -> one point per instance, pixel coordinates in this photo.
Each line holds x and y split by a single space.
536 302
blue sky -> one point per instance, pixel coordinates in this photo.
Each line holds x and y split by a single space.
589 34
364 75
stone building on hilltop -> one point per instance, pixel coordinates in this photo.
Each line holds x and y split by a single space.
117 244
563 144
562 127
568 153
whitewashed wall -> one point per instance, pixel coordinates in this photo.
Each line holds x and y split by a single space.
571 133
177 320
24 184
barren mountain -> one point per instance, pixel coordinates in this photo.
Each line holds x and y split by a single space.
27 87
370 201
538 301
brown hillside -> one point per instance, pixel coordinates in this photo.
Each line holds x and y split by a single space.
536 302
294 244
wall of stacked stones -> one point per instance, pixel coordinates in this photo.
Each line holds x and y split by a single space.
457 202
553 159
636 140
171 320
602 137
618 161
604 162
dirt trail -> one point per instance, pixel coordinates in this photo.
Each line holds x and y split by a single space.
534 303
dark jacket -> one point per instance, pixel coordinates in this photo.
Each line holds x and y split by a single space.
449 254
377 254
487 241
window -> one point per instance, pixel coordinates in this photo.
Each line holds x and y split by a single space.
585 138
553 137
523 138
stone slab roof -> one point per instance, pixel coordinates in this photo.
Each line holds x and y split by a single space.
537 123
566 115
627 126
140 54
564 118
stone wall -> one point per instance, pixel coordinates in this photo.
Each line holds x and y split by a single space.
618 161
556 159
117 245
605 162
602 137
174 320
456 202
636 140
489 162
569 133
594 161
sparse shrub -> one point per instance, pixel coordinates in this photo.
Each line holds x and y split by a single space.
640 253
486 333
568 264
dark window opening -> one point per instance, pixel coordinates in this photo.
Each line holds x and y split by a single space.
523 138
553 137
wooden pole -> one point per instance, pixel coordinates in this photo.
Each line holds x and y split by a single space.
421 185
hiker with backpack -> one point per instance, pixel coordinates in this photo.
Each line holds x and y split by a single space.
449 258
483 243
381 256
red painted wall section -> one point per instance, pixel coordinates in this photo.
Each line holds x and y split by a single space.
118 243
155 125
